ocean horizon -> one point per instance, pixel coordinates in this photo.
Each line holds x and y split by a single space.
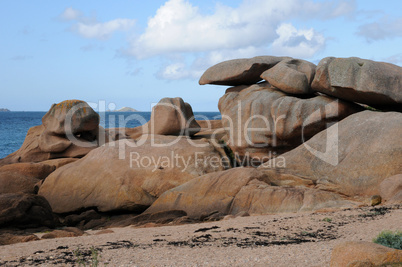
14 125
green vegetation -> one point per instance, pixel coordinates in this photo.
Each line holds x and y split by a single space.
389 239
80 257
94 257
229 153
326 219
371 108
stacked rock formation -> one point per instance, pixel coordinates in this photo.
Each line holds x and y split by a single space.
304 128
297 99
291 112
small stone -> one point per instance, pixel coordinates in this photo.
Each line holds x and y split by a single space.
375 200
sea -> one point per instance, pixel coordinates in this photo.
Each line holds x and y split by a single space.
14 125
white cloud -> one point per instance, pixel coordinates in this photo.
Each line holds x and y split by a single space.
297 43
255 27
71 14
180 27
103 30
175 71
90 28
327 9
291 42
385 28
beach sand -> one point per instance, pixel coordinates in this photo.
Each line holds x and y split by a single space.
305 239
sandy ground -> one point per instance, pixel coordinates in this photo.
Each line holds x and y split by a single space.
271 240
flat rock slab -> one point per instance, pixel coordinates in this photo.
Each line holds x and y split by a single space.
242 190
239 71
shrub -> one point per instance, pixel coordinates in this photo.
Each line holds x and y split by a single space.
389 239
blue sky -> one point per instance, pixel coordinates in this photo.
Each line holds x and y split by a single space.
133 53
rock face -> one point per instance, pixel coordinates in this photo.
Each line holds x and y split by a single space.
354 253
260 119
22 177
25 210
293 76
359 80
241 190
351 157
239 71
260 198
206 194
128 175
69 130
391 189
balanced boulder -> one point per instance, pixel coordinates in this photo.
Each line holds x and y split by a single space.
359 80
292 76
172 116
239 71
129 175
